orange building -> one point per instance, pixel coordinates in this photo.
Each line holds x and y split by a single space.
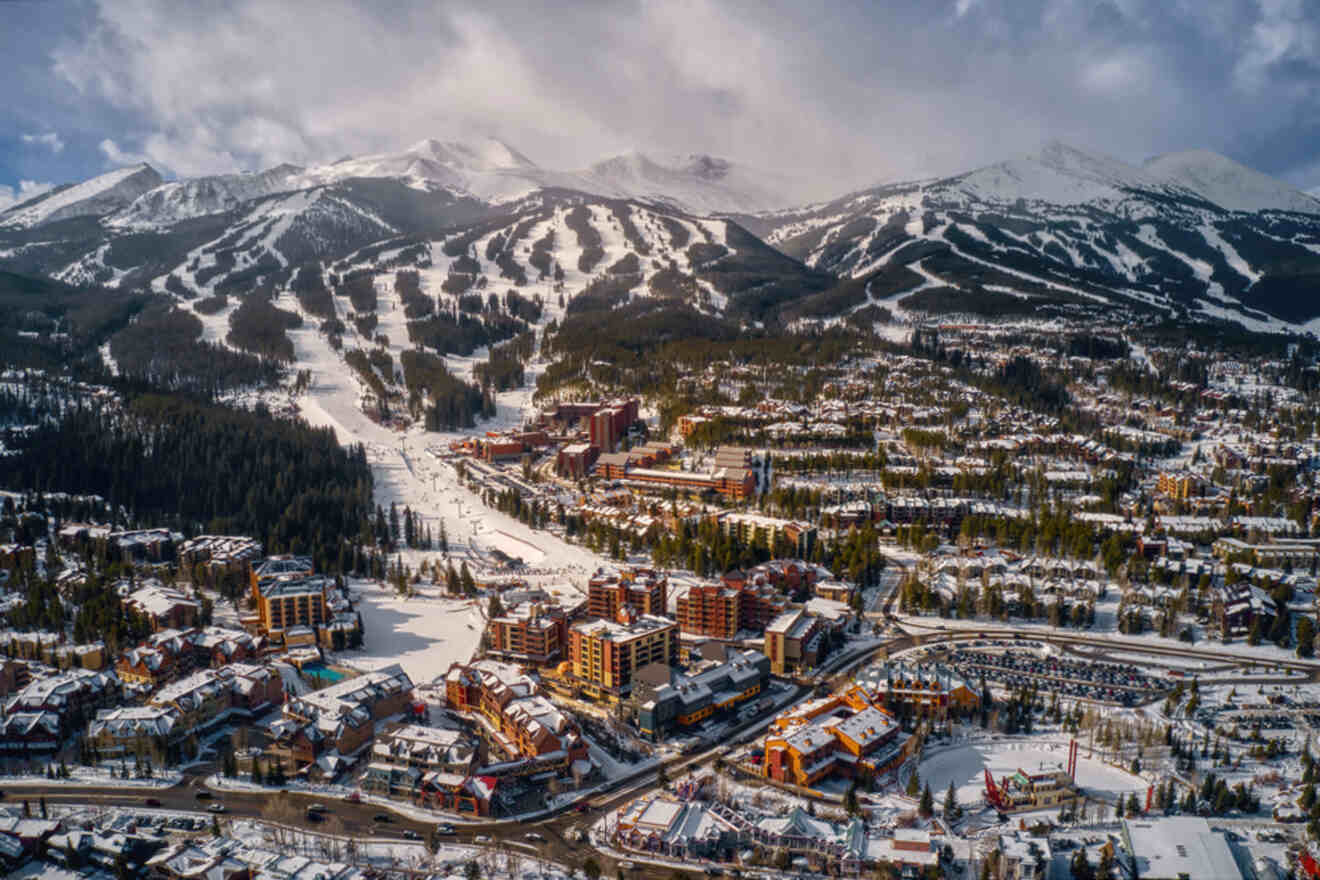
843 733
287 595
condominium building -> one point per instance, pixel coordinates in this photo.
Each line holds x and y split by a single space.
604 654
287 595
531 633
842 733
611 590
518 717
666 699
713 610
770 532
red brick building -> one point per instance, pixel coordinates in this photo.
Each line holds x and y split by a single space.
643 589
713 610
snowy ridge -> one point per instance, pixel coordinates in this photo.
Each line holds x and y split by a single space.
96 197
1228 184
200 196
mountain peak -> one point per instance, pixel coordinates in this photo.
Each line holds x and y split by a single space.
484 154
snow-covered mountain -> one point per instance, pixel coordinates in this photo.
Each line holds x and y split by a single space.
1192 236
200 196
1059 175
96 197
1228 184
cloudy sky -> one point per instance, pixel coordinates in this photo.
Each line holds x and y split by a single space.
839 93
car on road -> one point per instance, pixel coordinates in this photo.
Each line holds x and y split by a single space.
382 817
318 808
445 828
409 834
535 835
152 802
626 865
216 808
203 795
481 838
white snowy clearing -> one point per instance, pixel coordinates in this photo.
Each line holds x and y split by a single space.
966 765
423 634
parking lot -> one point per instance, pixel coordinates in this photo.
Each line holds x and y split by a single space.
1119 683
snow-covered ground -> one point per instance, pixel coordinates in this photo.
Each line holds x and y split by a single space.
965 765
424 634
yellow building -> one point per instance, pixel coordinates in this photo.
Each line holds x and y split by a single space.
604 654
288 595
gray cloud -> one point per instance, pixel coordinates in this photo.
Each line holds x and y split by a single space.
841 93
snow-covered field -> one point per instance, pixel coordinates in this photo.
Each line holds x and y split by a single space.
966 765
424 634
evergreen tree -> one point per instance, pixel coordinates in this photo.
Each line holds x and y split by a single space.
926 808
951 809
913 784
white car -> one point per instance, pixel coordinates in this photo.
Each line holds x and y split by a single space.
481 838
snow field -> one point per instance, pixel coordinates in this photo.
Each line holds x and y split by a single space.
965 766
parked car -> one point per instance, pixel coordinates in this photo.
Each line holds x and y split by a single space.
409 834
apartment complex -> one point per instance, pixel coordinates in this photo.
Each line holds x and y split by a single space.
643 590
531 633
288 594
517 716
165 607
734 484
713 610
773 533
604 654
328 726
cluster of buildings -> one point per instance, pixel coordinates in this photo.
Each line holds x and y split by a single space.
321 733
694 828
167 727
